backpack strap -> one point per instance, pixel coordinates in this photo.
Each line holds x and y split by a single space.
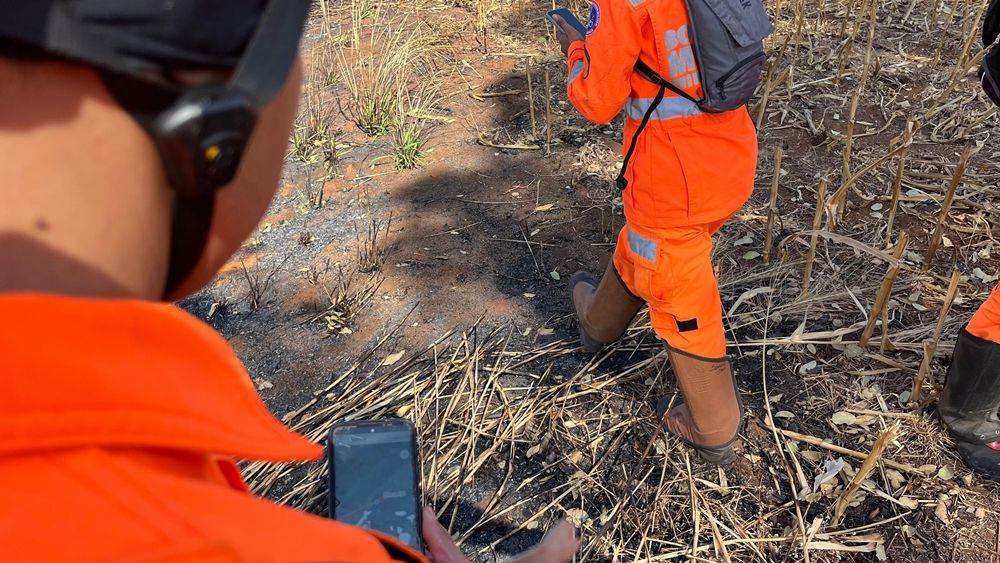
620 181
652 76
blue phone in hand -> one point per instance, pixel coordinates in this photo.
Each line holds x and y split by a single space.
568 17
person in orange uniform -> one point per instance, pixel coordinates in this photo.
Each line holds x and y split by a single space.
120 414
690 172
971 397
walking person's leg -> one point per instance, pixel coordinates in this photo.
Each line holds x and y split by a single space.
686 312
671 269
968 405
604 308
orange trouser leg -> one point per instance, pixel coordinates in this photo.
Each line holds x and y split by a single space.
986 322
672 270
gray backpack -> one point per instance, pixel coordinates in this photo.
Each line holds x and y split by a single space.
727 37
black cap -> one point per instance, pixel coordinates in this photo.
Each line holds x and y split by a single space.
134 37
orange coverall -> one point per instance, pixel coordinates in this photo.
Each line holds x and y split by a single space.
690 171
985 323
119 421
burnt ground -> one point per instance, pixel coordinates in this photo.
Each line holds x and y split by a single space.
357 261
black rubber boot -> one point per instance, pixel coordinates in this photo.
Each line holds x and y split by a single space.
968 405
603 309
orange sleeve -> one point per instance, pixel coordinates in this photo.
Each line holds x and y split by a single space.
599 68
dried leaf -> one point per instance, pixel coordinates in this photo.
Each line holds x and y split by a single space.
843 417
830 470
942 513
744 241
865 420
661 448
555 275
748 294
895 478
783 414
853 350
812 455
393 358
986 278
545 331
544 207
751 255
577 516
807 367
945 473
533 450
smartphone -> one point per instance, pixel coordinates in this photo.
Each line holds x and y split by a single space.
568 17
374 477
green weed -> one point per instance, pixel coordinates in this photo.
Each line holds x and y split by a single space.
408 142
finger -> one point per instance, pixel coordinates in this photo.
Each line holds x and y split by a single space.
440 545
558 546
561 25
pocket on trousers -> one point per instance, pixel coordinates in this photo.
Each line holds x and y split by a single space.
650 273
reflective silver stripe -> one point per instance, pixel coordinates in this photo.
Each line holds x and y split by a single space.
575 71
669 108
642 246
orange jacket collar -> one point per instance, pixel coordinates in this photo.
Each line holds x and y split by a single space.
83 372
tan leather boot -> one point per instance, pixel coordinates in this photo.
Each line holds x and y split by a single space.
711 415
604 310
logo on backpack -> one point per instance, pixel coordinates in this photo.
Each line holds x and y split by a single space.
595 18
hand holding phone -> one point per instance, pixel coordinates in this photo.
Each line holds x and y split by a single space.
374 483
553 16
374 478
570 28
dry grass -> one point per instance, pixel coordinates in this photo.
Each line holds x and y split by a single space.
874 99
386 54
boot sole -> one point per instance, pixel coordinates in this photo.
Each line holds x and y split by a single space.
982 460
586 341
719 455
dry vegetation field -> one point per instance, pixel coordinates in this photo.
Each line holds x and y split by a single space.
440 190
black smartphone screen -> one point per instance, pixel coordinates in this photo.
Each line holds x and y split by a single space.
373 478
